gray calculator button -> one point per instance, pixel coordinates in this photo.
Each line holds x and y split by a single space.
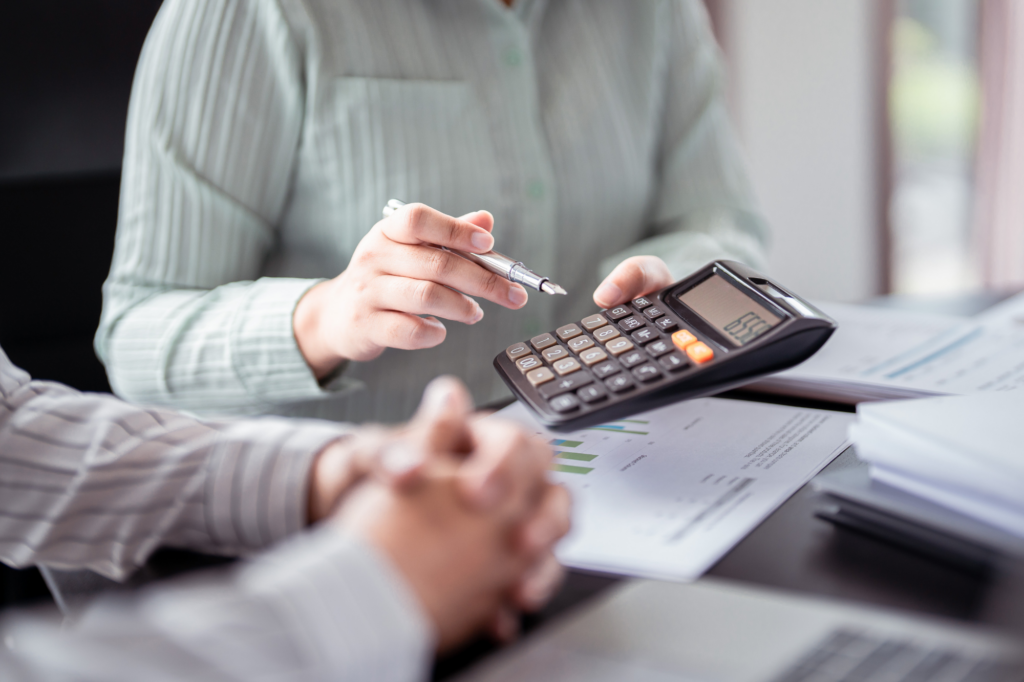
665 324
618 312
658 348
642 336
653 312
619 383
580 344
516 351
528 363
593 322
605 333
568 331
543 341
630 323
592 394
646 372
605 369
555 353
632 358
673 362
566 402
565 384
641 303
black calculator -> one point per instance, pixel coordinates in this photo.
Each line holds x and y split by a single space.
721 327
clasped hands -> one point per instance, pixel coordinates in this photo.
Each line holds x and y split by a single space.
460 506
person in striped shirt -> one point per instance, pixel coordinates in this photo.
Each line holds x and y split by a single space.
426 534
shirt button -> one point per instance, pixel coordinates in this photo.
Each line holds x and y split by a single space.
513 56
535 189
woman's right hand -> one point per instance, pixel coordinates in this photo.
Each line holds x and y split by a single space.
396 275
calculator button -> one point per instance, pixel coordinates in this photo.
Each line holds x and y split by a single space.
646 372
641 303
665 324
580 344
619 346
653 312
630 323
568 331
606 333
516 351
565 384
593 322
540 376
592 394
656 349
565 403
567 366
619 383
632 358
700 352
673 362
644 335
528 363
618 312
683 338
543 341
592 356
555 353
605 369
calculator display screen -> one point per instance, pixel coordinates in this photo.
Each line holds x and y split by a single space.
731 312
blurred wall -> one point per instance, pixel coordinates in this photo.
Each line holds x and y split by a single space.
806 96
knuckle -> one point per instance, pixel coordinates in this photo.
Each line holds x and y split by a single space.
439 263
425 294
415 217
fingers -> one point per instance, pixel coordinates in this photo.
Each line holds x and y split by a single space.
550 522
391 329
442 419
506 469
632 278
423 297
420 224
539 584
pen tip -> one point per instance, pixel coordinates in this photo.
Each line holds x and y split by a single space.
552 288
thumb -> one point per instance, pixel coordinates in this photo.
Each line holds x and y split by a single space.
441 423
632 278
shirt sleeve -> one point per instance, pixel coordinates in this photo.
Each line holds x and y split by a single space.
214 122
88 481
704 207
321 607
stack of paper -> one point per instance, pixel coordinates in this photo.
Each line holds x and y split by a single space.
965 453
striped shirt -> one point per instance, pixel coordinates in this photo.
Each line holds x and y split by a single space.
87 481
265 136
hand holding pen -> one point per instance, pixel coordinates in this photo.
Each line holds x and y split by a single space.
397 285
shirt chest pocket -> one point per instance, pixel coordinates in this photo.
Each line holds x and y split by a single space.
414 140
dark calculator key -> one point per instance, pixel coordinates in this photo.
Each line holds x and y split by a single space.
653 312
565 384
646 372
665 324
673 362
641 303
642 336
632 358
619 383
658 348
592 394
566 402
618 312
605 369
630 323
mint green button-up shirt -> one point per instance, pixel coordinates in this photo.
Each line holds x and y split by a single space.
265 136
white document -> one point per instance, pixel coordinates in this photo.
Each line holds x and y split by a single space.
666 493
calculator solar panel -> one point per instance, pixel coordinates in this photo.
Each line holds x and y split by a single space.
723 326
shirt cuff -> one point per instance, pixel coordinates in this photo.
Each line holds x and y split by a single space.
257 490
265 354
355 613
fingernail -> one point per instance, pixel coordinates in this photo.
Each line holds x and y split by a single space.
399 459
608 292
518 296
482 242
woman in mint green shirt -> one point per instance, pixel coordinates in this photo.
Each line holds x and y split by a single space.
251 272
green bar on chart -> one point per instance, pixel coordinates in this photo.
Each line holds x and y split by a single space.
580 456
614 430
566 469
565 443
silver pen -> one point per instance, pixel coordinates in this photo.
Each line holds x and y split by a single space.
512 270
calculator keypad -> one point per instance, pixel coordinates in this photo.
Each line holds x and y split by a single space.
583 365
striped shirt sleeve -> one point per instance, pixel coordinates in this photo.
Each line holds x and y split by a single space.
320 607
88 481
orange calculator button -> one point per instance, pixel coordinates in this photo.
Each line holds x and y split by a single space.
699 352
683 338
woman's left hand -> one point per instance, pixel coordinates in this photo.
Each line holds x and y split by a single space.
632 278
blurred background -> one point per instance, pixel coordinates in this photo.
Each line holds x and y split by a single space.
880 135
